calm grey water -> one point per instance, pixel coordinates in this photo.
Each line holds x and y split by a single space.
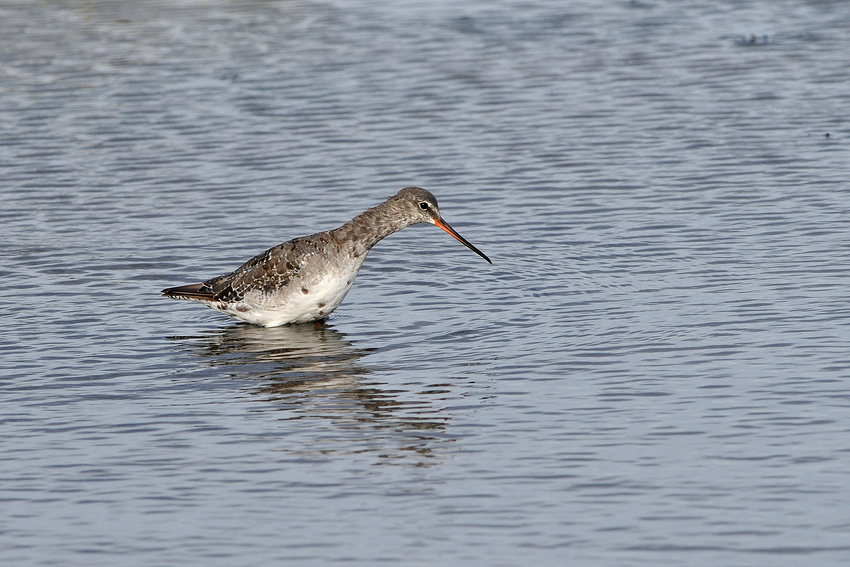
653 372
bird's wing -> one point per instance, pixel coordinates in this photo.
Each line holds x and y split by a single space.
267 272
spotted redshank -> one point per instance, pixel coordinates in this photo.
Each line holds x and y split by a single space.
305 279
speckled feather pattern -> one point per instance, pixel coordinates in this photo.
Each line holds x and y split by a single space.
306 278
269 272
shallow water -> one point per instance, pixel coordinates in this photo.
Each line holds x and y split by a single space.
652 372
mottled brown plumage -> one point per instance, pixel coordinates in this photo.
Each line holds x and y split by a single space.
306 278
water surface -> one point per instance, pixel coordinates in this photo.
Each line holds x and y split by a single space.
652 372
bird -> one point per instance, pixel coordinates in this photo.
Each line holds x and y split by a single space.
305 279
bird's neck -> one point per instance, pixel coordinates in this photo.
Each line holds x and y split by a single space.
371 226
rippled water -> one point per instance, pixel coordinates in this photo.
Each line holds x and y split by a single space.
652 372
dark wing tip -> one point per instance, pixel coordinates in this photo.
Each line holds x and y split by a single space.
193 291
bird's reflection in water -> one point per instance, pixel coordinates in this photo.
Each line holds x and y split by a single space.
313 371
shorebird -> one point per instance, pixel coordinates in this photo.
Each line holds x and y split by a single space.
306 278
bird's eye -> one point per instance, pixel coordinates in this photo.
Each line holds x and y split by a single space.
423 206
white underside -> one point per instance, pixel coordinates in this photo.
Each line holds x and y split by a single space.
293 305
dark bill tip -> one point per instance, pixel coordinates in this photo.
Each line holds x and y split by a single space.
445 226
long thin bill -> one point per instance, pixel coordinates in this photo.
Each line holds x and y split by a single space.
445 226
